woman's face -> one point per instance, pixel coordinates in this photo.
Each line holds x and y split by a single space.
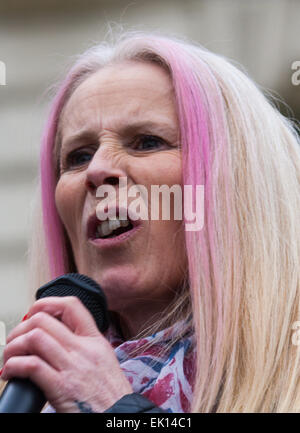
122 122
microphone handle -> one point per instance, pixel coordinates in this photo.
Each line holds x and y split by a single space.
33 399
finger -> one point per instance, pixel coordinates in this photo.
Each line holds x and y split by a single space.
38 342
33 368
70 310
48 323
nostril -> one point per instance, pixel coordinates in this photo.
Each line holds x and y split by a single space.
90 185
111 180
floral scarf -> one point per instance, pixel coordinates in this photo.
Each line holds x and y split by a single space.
163 376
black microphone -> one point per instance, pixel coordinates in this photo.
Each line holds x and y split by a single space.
22 395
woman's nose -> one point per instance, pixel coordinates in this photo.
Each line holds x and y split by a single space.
102 170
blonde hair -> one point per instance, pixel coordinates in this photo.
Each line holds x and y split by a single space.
243 275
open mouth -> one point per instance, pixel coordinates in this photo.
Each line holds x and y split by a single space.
110 228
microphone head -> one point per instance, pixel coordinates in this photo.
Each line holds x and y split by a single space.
87 290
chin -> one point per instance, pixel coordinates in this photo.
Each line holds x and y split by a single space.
118 284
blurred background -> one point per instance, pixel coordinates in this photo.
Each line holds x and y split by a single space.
37 40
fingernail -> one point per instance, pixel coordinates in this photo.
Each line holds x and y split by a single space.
1 371
25 317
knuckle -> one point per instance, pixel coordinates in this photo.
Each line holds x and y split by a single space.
32 363
97 350
39 318
72 304
73 300
35 336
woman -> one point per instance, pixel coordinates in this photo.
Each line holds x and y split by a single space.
202 320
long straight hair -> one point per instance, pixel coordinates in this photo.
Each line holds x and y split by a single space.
243 276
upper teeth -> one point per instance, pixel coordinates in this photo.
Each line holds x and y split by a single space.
108 226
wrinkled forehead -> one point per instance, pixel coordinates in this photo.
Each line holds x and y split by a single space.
117 93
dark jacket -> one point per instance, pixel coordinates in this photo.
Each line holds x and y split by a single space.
134 403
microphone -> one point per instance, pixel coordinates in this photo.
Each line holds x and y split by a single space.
22 395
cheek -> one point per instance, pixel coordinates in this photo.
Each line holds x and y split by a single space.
62 196
166 239
68 204
163 168
170 256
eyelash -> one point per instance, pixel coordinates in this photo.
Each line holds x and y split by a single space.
149 137
71 160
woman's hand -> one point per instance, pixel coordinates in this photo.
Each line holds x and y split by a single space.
68 359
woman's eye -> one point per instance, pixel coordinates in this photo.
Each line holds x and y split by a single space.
77 158
148 142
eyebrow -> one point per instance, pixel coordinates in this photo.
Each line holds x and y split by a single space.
162 128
